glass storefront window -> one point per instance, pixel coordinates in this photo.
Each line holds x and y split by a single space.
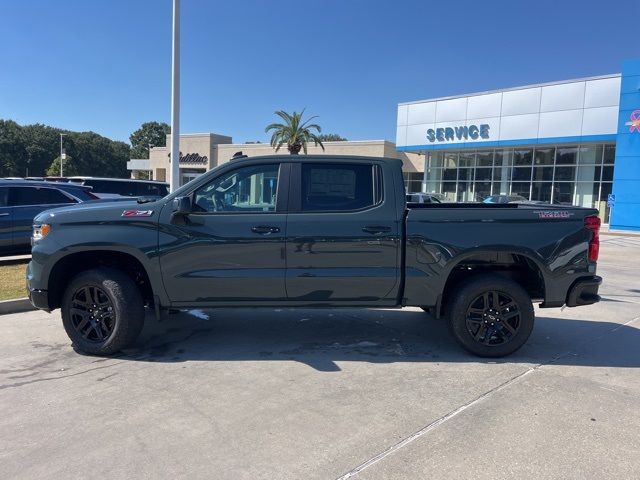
467 159
586 194
544 156
482 190
483 174
563 193
465 174
588 173
435 160
560 174
484 158
542 173
522 174
566 155
521 188
590 155
541 191
609 154
522 158
565 174
450 160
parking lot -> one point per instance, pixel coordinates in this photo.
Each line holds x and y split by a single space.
329 394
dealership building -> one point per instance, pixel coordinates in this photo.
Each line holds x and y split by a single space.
573 142
568 142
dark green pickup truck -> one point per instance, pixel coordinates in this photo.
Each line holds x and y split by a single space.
311 231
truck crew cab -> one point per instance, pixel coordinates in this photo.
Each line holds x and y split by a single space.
311 231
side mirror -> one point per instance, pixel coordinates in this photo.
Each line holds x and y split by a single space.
182 205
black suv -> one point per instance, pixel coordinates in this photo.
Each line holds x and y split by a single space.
22 200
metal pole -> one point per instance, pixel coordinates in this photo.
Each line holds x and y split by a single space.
61 153
174 177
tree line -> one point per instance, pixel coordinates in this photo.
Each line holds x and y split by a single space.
34 150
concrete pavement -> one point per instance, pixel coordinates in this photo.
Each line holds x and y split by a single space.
331 394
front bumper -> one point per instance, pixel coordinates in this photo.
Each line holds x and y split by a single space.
584 292
39 299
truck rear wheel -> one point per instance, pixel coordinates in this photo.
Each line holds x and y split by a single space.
102 311
491 316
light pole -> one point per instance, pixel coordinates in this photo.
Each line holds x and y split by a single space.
150 171
62 155
174 177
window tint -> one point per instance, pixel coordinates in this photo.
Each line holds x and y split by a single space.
56 196
3 196
36 196
245 190
337 187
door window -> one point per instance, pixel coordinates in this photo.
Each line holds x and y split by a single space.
22 196
339 187
244 190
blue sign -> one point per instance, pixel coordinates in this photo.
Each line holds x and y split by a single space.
611 200
472 132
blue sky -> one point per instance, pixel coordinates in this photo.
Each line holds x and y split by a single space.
105 65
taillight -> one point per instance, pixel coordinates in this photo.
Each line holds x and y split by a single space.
593 225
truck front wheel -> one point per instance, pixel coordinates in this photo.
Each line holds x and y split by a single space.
491 316
102 311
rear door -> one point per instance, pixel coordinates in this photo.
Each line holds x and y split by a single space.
343 238
5 220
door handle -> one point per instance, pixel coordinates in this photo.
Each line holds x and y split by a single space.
265 229
376 229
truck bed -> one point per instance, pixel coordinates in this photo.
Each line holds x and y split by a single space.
549 239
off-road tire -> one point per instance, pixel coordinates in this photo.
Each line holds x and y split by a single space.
125 315
466 311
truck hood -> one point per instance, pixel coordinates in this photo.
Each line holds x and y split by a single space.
97 212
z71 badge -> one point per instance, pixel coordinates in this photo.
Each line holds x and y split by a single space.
546 214
137 213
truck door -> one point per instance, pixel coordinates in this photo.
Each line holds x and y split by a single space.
230 249
343 238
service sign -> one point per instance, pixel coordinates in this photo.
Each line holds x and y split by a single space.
458 133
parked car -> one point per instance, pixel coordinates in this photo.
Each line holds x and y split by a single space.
22 200
312 231
505 199
123 187
423 198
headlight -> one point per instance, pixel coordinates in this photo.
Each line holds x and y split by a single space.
40 231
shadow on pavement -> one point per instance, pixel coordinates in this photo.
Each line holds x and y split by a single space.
320 338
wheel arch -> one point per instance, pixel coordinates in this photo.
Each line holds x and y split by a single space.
517 266
70 265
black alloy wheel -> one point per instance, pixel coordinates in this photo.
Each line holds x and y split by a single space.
92 314
490 315
493 318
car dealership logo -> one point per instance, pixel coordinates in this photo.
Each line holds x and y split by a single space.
634 121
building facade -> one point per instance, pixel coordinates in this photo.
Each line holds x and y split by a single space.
200 152
572 142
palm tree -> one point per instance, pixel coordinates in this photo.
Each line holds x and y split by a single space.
294 132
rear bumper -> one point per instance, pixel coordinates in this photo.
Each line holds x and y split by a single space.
584 292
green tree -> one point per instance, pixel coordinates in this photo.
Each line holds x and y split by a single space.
294 132
331 137
154 133
70 168
33 148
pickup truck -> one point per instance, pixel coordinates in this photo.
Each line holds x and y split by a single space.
311 231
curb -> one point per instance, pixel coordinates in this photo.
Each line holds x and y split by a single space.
15 306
